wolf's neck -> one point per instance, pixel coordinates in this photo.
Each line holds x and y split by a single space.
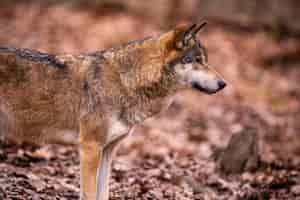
149 100
144 77
142 70
163 87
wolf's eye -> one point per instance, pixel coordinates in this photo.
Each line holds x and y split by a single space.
199 59
187 59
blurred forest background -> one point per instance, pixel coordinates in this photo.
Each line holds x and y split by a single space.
254 44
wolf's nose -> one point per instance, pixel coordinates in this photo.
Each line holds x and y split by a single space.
221 84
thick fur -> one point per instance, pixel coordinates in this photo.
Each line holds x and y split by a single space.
52 98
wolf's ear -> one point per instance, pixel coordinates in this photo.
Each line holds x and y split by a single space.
184 35
188 34
200 27
181 36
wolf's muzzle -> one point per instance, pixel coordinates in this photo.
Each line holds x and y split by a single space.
197 86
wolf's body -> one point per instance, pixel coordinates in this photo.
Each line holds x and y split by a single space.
95 99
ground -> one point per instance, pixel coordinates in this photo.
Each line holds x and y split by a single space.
169 156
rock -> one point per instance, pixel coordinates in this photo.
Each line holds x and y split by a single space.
240 154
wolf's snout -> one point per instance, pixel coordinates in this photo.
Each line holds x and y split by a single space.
221 84
209 87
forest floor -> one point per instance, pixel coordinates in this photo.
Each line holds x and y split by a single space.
169 156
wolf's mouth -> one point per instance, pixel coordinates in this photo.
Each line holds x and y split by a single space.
198 87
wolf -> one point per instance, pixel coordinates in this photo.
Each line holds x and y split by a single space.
94 100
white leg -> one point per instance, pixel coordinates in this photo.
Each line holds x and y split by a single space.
103 172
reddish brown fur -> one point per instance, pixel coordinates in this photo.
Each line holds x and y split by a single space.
47 98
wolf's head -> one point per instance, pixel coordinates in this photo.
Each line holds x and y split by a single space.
187 57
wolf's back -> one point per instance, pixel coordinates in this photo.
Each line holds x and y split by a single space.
37 90
15 64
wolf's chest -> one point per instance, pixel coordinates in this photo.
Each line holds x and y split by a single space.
141 111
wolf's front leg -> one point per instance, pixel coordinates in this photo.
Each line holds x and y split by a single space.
98 141
104 169
90 156
117 131
91 143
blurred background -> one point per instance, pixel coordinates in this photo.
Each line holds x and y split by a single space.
254 44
